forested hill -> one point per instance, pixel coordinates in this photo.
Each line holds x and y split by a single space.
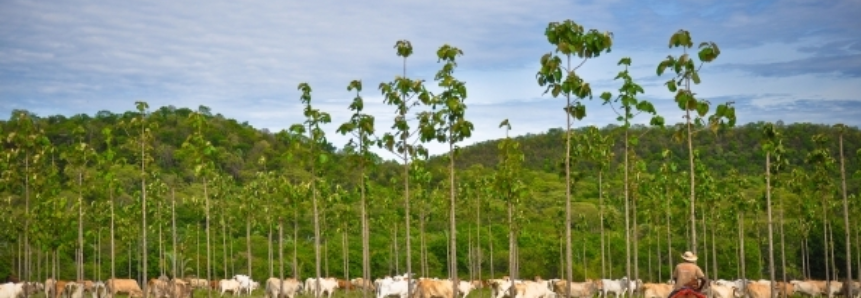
736 148
260 178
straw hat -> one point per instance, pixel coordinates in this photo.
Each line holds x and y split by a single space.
689 256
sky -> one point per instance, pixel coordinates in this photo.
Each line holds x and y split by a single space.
793 60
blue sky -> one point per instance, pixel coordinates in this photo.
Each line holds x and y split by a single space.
796 61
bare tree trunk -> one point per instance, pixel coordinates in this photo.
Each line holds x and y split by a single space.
492 271
224 245
693 228
452 219
208 232
660 261
270 256
627 216
714 254
281 249
422 244
176 270
782 246
741 246
845 216
568 262
770 221
835 274
248 243
601 214
113 255
295 242
80 229
669 233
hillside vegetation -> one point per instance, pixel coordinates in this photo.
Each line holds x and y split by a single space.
258 175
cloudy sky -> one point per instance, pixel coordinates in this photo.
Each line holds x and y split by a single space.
794 60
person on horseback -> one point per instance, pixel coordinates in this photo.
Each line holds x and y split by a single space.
688 276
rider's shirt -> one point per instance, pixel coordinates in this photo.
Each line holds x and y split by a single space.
685 273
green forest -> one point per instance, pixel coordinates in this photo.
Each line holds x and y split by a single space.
179 190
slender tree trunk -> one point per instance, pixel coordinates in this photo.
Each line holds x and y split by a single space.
627 214
345 254
669 234
281 249
270 256
650 259
27 212
224 246
161 249
176 270
845 216
248 242
452 226
568 262
660 260
492 271
714 254
782 246
478 254
635 237
80 228
693 229
422 244
741 246
197 254
804 258
825 247
295 242
705 234
366 256
407 199
834 275
601 214
143 211
208 232
770 220
511 239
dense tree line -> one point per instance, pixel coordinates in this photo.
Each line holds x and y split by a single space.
211 196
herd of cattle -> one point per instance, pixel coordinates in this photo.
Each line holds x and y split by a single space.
398 287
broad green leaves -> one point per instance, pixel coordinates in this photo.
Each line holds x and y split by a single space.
630 105
570 40
452 127
404 94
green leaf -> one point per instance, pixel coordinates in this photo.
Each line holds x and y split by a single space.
695 76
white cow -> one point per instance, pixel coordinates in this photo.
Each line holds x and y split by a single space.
245 283
389 286
722 291
615 286
99 290
75 290
229 285
11 290
327 285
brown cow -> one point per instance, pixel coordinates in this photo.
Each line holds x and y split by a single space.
213 284
656 290
157 288
122 285
757 290
784 288
361 283
344 284
429 288
178 288
578 289
60 288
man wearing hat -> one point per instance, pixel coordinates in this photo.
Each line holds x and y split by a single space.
688 275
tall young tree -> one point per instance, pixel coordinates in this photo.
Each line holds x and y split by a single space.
404 94
144 136
629 107
316 136
201 154
509 186
25 142
570 40
600 147
77 158
361 127
452 128
773 146
687 71
841 130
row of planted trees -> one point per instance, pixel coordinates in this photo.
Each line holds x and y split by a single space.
118 187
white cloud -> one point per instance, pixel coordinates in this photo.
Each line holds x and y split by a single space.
244 59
